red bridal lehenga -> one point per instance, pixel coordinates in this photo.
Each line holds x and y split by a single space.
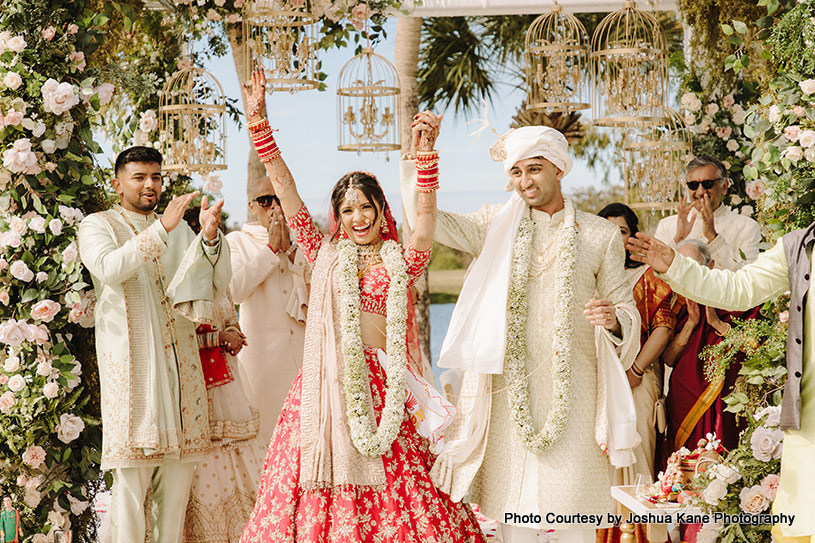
407 508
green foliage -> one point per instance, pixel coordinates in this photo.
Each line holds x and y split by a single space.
792 41
447 258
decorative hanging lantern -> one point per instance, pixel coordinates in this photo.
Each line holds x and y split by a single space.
655 156
368 104
191 122
556 55
282 39
629 68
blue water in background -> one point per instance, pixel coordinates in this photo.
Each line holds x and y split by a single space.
439 321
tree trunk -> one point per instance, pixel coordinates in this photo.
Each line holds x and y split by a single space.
408 34
255 169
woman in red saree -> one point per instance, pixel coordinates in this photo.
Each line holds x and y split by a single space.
327 476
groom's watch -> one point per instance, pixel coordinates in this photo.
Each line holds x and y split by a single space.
291 249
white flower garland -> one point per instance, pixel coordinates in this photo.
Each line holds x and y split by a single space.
515 358
366 440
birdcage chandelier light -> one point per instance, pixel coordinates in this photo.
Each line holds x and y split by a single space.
280 36
556 54
368 95
629 68
655 156
191 122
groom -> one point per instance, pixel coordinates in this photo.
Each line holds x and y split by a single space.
528 441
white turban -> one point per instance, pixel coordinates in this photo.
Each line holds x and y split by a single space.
531 141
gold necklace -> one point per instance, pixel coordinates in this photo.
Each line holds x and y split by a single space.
367 257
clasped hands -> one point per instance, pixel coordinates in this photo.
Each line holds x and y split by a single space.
232 341
684 219
208 217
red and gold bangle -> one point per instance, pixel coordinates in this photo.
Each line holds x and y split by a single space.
427 171
425 160
258 126
263 138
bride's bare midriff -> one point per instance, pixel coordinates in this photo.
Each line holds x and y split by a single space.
372 327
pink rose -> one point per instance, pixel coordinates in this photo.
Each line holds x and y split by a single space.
754 189
39 334
148 121
233 18
58 97
13 118
769 485
75 313
45 310
792 132
3 378
76 60
728 100
4 297
784 316
49 33
7 401
799 111
69 428
359 14
753 500
19 158
72 29
70 253
766 443
724 132
10 239
34 456
3 264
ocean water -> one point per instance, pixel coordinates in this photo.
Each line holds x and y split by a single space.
439 320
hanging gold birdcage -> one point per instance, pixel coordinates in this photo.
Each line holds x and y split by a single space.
629 68
281 37
191 122
556 55
655 156
368 104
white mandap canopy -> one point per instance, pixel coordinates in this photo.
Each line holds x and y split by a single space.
452 8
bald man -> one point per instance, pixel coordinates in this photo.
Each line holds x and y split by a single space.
270 282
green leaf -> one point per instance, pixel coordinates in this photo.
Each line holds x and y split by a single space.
739 27
727 29
764 22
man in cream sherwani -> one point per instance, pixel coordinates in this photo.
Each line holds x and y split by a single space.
270 282
154 281
574 283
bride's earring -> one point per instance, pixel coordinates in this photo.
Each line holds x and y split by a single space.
383 226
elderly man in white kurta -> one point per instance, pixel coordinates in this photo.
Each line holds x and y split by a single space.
154 280
269 281
731 238
546 288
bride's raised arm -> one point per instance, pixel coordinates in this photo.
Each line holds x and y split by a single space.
261 133
425 130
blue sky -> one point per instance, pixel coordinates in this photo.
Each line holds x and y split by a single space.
307 136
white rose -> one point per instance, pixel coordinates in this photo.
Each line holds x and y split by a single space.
12 80
77 506
766 443
686 99
695 104
735 200
148 121
726 473
44 368
752 499
48 146
794 153
28 124
715 491
37 224
747 211
712 108
739 117
806 138
16 44
17 225
774 114
773 414
41 277
32 499
50 390
63 141
690 118
55 225
105 93
11 364
809 154
212 183
20 158
70 254
13 332
39 129
732 146
20 271
58 97
140 138
69 428
807 86
16 383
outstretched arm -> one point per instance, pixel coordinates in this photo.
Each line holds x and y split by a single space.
425 130
276 169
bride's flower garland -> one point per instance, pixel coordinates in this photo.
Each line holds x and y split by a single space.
366 440
515 358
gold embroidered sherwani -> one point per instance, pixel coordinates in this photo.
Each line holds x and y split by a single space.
149 285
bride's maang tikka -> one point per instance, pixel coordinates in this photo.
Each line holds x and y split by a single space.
351 195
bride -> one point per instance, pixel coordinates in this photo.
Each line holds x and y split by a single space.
345 463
